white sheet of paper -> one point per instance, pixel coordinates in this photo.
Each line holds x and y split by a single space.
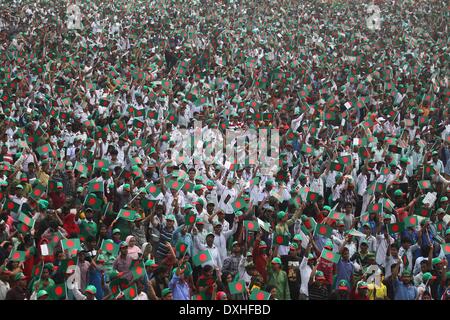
44 250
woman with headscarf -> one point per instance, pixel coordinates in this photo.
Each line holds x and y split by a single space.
133 250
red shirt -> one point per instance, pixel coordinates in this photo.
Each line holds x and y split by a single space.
402 213
327 268
260 260
58 199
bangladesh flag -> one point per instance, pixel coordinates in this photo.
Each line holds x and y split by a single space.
337 166
26 220
251 225
100 164
129 215
297 201
395 149
81 168
137 269
396 227
425 185
336 215
422 211
201 258
385 171
44 150
374 207
175 184
189 219
342 139
37 192
237 287
380 187
72 245
441 226
239 204
346 160
198 297
306 149
153 190
411 221
147 204
281 239
95 186
312 196
66 263
109 246
188 186
259 295
309 224
446 248
388 205
130 293
19 256
324 230
11 206
330 256
181 248
429 169
37 269
166 84
58 291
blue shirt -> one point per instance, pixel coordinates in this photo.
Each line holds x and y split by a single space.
95 279
180 288
404 292
344 271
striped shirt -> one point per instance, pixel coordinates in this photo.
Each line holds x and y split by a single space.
165 236
318 293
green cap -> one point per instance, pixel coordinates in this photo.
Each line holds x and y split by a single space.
298 237
165 292
210 183
293 246
406 273
126 186
116 230
43 204
328 208
447 232
80 189
199 220
436 261
188 206
443 199
398 193
319 274
269 183
41 293
276 260
281 214
150 262
59 185
427 276
170 217
19 186
20 276
198 187
91 289
238 213
404 159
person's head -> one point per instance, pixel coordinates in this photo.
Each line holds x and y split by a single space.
437 264
151 265
394 250
89 214
220 215
345 254
406 277
366 229
208 271
90 292
320 277
21 280
217 227
340 226
221 295
363 289
123 248
343 290
116 234
236 248
227 277
276 264
282 216
210 239
131 241
406 243
272 290
170 221
364 247
42 295
348 208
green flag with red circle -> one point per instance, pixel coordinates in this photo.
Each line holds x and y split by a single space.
130 293
236 287
58 291
330 256
37 192
307 149
201 258
337 166
147 204
19 256
445 248
239 204
72 245
388 205
324 230
44 150
259 295
95 186
396 227
336 215
153 190
11 205
251 225
127 214
312 196
189 218
110 246
137 269
100 164
281 239
181 248
26 220
374 208
425 185
81 168
411 221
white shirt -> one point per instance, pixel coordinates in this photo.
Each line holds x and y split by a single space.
305 273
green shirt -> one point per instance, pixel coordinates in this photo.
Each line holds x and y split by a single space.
280 281
88 228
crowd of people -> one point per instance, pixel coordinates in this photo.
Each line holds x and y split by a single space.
97 204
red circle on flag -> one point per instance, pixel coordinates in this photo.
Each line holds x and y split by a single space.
395 227
109 247
182 248
375 207
58 291
70 243
424 212
139 270
260 296
26 220
345 160
96 186
16 255
24 228
150 204
412 221
322 230
202 257
329 255
338 167
447 248
45 149
92 201
126 213
308 149
313 196
10 205
238 286
132 292
238 204
251 225
152 189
